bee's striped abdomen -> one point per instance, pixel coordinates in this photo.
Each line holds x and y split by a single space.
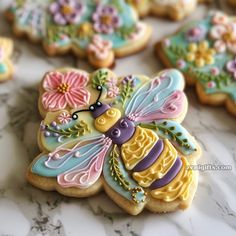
160 169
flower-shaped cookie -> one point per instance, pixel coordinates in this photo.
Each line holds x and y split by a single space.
205 51
173 9
72 25
123 135
6 67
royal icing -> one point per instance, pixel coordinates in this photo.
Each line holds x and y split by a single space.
6 68
205 50
120 139
91 28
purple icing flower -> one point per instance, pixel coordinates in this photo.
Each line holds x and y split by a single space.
231 67
195 34
106 19
129 80
66 11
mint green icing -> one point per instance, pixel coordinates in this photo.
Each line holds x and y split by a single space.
39 21
177 49
3 68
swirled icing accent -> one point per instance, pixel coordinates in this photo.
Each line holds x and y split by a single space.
87 176
160 168
122 131
64 159
105 121
159 99
169 176
151 157
178 188
138 147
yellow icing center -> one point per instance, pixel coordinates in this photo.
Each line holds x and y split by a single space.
67 10
228 37
105 121
138 147
63 88
160 168
178 188
106 20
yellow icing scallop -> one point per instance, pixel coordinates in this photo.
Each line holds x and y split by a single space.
178 188
105 121
160 168
138 147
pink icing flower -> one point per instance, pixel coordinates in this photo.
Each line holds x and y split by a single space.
231 67
220 18
211 84
64 118
99 47
181 64
65 89
113 90
225 37
66 11
106 19
215 71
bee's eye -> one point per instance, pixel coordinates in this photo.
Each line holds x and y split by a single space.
115 133
99 104
91 108
123 124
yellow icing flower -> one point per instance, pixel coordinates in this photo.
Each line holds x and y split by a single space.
85 30
201 54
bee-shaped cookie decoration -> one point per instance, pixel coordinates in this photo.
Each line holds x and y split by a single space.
6 67
120 134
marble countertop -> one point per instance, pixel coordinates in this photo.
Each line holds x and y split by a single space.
25 210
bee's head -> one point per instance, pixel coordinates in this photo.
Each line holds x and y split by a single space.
105 116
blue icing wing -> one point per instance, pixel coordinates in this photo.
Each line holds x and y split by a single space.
118 178
65 159
159 98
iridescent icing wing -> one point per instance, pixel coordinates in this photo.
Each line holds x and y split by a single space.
79 166
159 98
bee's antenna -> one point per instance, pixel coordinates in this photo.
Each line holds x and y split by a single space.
92 107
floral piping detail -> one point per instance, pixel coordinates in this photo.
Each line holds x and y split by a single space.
66 11
231 67
201 54
100 48
65 89
106 19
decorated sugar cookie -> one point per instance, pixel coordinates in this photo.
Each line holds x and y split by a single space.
205 51
173 9
123 135
96 30
6 67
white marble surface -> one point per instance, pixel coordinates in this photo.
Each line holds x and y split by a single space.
25 210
